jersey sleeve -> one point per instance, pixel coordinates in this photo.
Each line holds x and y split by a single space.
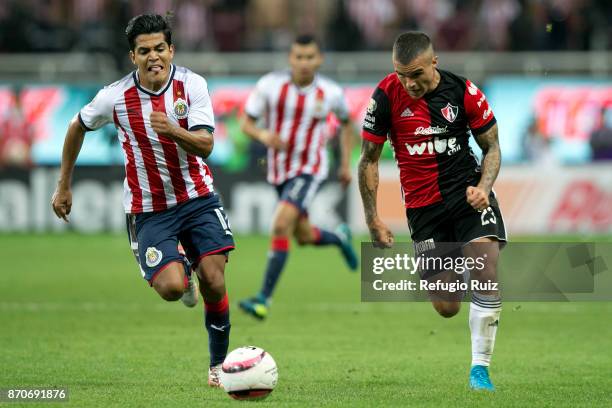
377 122
99 111
200 114
339 105
477 109
256 102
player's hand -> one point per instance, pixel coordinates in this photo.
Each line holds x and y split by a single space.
381 235
160 123
62 203
345 176
272 140
477 197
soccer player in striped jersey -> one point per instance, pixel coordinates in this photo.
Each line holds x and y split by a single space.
164 121
295 105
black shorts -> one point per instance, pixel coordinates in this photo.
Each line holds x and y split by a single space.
442 229
454 220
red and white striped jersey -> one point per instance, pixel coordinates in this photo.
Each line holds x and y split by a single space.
159 173
299 116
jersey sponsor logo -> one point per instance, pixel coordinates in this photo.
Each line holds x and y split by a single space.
371 106
436 145
431 130
472 89
487 113
479 103
450 112
407 113
153 257
181 110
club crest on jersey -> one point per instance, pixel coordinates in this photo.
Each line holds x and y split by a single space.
181 110
319 107
450 112
153 256
371 105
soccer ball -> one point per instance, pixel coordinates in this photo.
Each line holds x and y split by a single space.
249 373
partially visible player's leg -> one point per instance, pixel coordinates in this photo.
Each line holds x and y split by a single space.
446 303
485 232
307 234
485 310
169 281
154 244
283 225
433 236
211 272
206 235
190 296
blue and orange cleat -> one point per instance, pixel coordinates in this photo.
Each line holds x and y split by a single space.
256 306
479 379
346 246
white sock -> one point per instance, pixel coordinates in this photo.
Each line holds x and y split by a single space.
484 318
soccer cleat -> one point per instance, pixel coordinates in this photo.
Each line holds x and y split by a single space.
190 296
214 376
256 306
346 246
479 379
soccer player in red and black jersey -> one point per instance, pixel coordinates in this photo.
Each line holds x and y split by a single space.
428 115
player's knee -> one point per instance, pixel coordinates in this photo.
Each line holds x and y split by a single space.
447 309
212 280
280 228
303 238
170 291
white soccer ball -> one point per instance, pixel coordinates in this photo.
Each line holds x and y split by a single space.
249 373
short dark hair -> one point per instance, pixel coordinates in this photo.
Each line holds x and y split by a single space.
148 24
305 39
410 45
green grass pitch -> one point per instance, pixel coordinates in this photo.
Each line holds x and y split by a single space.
75 312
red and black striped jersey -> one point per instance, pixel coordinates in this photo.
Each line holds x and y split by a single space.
430 135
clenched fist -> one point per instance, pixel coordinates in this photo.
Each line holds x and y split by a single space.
160 123
477 197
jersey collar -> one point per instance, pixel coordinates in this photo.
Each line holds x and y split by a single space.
305 89
162 89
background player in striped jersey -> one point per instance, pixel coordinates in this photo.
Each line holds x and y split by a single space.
164 120
428 115
295 105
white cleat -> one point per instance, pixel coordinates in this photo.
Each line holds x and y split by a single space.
190 296
214 376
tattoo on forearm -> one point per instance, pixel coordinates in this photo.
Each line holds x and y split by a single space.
491 157
368 177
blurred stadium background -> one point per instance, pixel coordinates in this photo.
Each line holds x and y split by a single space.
545 66
74 311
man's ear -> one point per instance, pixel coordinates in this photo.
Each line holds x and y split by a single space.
133 57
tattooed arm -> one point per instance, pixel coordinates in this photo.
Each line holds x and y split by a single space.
368 186
478 197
